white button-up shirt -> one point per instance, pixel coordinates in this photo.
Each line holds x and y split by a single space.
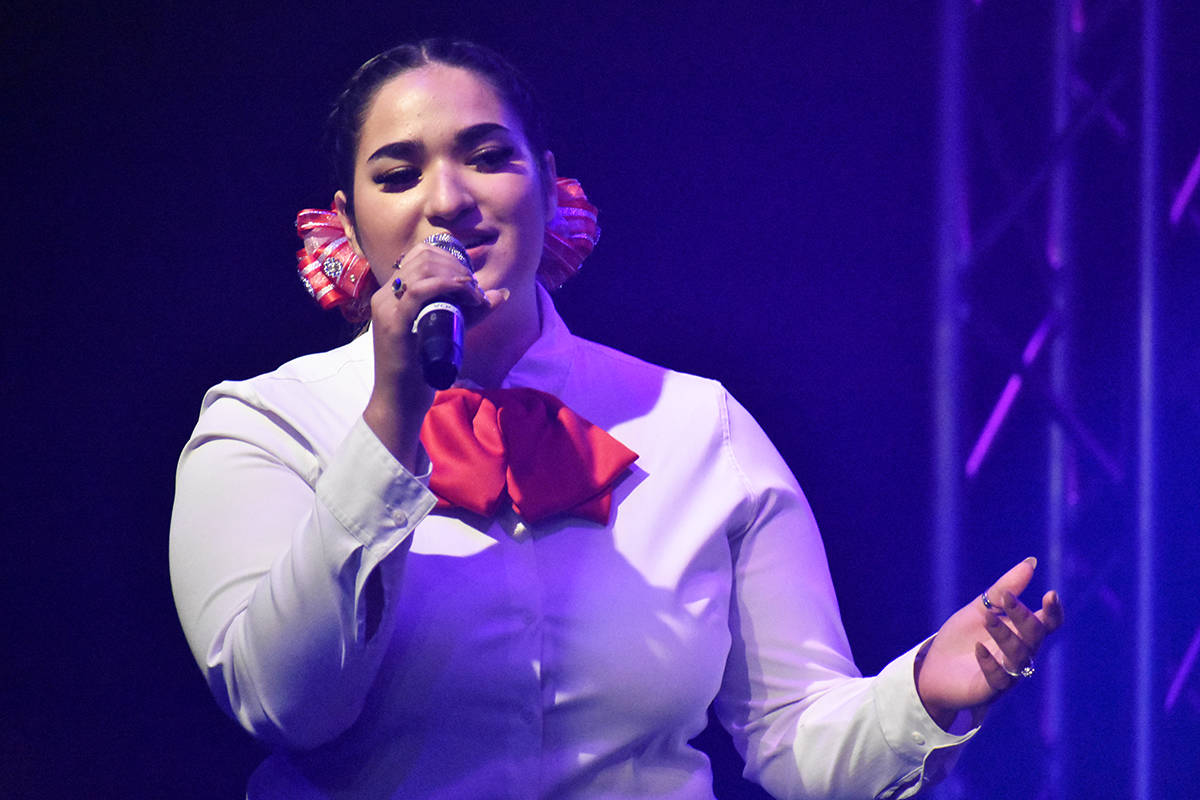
384 651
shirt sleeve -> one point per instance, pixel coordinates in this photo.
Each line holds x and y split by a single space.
282 565
796 706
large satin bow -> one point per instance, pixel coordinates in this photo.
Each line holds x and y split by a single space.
521 444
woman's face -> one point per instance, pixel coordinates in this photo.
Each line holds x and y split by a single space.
439 151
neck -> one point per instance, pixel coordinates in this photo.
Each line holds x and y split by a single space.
495 345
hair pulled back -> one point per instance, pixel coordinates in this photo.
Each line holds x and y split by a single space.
350 111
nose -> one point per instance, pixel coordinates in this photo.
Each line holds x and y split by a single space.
448 194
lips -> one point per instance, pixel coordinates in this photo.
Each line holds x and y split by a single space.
475 239
475 242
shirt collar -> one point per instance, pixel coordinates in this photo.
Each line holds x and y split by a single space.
545 365
547 362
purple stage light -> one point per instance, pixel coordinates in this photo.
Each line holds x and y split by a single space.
1185 669
1007 397
1149 252
1185 191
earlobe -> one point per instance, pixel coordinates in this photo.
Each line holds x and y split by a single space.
551 178
346 216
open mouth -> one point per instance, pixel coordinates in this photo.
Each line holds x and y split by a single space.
475 244
473 240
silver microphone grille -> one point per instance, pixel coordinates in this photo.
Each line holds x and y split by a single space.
452 246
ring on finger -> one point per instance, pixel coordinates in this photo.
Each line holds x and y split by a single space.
990 606
398 287
1024 672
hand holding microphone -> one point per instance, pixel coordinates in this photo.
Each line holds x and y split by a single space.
439 325
415 320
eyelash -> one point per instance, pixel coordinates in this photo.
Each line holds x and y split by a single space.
406 176
492 157
488 159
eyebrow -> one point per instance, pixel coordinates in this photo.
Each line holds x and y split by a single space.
463 140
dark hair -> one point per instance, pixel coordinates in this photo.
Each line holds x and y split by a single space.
350 111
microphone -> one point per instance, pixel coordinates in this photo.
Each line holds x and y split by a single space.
439 326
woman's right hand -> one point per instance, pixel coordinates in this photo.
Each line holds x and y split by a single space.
400 397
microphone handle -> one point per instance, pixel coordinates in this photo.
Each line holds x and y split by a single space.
439 329
439 326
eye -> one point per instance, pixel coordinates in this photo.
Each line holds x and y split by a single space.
398 179
490 159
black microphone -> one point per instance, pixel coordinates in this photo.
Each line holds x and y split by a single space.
439 326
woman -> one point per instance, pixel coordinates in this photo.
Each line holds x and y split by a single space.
515 642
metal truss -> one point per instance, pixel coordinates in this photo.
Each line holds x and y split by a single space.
1053 211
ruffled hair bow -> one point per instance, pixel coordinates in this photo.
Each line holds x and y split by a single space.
337 277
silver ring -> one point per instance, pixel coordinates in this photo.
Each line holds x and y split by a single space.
398 287
990 606
1021 674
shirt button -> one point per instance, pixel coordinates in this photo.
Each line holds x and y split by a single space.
400 518
918 739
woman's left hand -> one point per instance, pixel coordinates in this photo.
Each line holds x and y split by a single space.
979 652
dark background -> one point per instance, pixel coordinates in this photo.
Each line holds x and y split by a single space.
766 178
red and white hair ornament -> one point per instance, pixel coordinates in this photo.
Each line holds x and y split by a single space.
570 236
337 277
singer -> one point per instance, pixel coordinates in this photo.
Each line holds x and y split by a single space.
534 583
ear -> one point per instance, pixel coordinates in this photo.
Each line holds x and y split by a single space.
346 218
550 175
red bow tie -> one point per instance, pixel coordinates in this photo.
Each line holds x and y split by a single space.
523 444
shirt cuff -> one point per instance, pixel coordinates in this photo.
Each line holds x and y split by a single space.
907 727
370 494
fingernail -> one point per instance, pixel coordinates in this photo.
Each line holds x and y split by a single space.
1031 561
